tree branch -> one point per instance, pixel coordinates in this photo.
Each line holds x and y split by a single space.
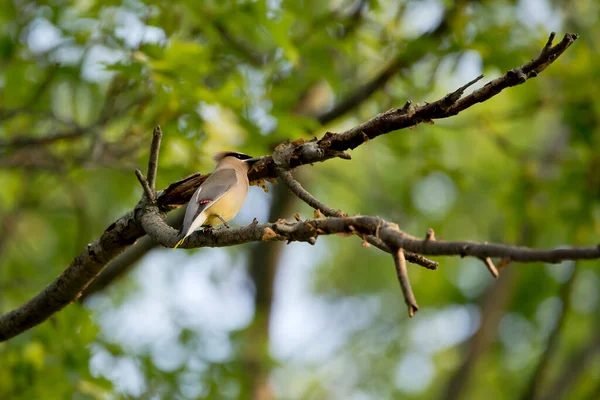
76 131
124 262
363 92
301 231
402 273
331 144
148 192
489 264
67 287
296 188
391 235
153 158
412 52
148 218
21 142
304 195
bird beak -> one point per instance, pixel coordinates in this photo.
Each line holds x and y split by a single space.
252 161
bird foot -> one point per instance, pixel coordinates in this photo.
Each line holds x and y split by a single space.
223 221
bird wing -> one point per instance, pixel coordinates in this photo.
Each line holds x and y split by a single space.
211 190
217 184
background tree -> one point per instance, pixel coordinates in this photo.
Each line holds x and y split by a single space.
83 84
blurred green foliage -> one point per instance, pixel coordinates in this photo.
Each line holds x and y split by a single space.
84 82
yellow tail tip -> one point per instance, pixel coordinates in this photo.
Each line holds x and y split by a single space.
179 243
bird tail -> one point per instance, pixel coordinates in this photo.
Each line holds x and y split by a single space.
179 243
188 228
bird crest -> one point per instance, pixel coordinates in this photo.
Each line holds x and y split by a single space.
222 154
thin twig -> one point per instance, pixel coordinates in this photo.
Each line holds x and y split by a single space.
430 235
287 178
548 45
153 159
402 273
296 188
490 266
149 193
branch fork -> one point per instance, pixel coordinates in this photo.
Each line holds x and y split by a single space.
149 184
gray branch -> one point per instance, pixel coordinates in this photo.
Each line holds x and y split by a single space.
301 231
296 188
74 279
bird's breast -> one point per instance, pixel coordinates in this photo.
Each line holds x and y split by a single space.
227 206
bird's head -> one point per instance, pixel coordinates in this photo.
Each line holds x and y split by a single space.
234 157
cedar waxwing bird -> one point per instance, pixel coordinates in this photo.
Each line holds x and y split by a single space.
221 196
